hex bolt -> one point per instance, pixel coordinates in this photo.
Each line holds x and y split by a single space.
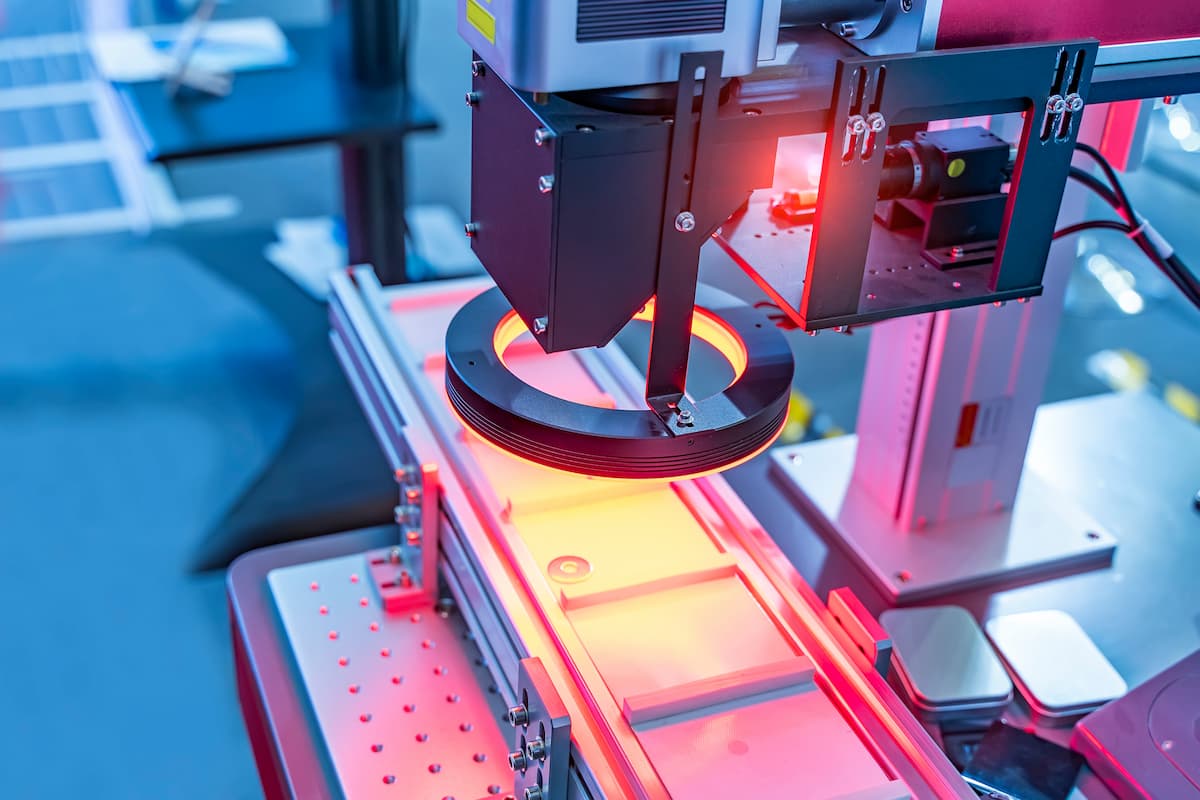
535 750
472 99
686 418
518 715
546 184
517 761
685 222
478 68
471 229
540 324
533 793
542 135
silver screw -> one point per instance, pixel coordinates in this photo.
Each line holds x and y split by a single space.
546 184
518 715
856 125
533 793
478 68
876 122
1074 102
685 222
686 418
847 29
1056 104
958 251
471 229
906 5
542 135
540 324
472 99
535 750
517 761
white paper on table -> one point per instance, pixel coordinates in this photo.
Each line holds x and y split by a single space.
144 54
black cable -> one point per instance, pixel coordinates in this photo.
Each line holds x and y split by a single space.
1097 186
1172 266
1185 282
1111 174
1079 227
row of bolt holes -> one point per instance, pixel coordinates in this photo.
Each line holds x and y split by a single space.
428 644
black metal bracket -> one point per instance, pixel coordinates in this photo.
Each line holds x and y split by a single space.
1047 83
688 219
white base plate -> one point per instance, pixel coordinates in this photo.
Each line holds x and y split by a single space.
1043 535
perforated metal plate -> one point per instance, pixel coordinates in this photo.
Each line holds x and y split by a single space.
400 699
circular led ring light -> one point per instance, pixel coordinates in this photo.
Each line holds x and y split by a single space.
728 427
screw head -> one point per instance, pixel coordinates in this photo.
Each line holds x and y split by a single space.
685 222
847 29
857 124
542 135
540 324
876 122
1074 102
472 99
533 793
471 229
906 5
1056 104
535 750
518 715
478 68
546 184
517 761
686 418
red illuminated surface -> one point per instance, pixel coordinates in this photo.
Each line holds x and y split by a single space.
969 23
706 326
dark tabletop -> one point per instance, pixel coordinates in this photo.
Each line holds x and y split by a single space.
312 100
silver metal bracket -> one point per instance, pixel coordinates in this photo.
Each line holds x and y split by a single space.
541 736
406 574
864 631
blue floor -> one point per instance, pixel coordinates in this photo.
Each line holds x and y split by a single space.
138 397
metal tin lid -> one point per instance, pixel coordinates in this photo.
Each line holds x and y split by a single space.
1058 668
944 661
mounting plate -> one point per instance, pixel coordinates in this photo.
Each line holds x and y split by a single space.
1040 536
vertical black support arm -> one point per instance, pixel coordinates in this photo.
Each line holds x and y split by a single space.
687 222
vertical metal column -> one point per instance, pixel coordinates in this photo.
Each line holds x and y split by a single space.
373 172
949 398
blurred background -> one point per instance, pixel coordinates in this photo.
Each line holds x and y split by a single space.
168 399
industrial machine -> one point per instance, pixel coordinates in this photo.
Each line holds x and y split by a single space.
574 603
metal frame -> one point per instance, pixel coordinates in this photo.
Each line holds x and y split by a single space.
872 94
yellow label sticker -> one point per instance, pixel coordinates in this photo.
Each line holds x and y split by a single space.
956 168
481 20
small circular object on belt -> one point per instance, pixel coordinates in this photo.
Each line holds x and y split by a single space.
569 569
728 427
